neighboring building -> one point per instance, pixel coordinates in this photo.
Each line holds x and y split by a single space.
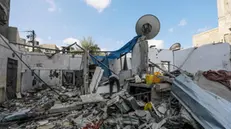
49 46
30 49
220 34
4 17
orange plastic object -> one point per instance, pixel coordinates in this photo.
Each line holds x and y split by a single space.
156 79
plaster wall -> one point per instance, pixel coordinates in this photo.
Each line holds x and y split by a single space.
207 57
6 53
45 67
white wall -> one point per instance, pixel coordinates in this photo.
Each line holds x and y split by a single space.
58 61
203 58
158 55
115 64
43 65
6 53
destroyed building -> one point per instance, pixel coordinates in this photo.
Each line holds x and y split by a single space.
160 88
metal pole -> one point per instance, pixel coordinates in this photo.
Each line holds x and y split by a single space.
52 49
86 72
33 40
121 63
171 75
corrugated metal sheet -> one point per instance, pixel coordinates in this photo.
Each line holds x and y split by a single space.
210 110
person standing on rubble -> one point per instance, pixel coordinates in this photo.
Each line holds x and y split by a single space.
112 80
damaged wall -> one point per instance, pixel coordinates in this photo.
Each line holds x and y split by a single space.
161 55
49 69
203 58
58 61
115 64
5 54
214 57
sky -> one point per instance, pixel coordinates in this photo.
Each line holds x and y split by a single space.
111 23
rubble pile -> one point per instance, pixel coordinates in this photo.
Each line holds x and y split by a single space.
42 109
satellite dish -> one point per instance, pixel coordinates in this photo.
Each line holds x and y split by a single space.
148 25
175 47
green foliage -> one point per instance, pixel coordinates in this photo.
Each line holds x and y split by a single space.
89 44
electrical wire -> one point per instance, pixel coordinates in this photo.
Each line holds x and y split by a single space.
187 57
29 67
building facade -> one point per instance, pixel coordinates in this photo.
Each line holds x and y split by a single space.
220 34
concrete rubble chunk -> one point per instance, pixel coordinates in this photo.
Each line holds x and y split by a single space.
144 115
64 108
113 101
162 108
43 122
161 87
145 126
17 115
96 79
91 98
123 107
130 120
71 94
159 125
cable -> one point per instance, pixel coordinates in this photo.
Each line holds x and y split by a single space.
187 57
29 66
178 68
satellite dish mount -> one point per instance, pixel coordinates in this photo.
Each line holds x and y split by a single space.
148 26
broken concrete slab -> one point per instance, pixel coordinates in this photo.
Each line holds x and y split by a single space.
43 122
71 93
65 107
123 107
144 115
161 87
113 101
162 108
103 89
17 115
96 79
130 120
91 98
145 126
131 101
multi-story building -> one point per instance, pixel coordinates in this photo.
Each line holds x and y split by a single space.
220 34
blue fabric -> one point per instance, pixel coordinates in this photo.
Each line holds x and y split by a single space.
105 61
114 55
124 50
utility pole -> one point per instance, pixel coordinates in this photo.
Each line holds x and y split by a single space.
33 40
32 37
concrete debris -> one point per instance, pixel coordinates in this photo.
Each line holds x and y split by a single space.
162 108
96 79
16 116
161 87
137 79
91 98
41 109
